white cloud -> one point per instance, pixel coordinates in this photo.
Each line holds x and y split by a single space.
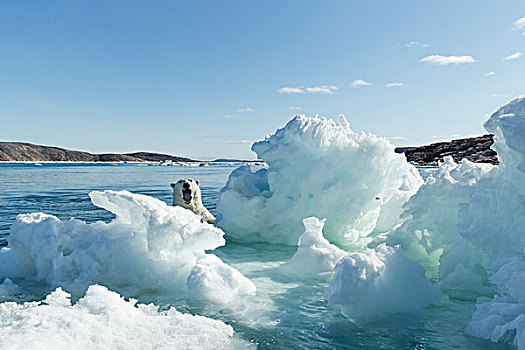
295 108
361 82
416 44
236 142
498 95
323 89
291 90
519 24
514 56
412 43
229 116
394 85
244 110
445 60
489 74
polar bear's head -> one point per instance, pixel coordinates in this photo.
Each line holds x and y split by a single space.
187 193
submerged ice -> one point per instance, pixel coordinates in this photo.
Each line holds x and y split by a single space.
317 167
149 246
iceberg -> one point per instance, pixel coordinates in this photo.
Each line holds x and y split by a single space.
317 167
102 319
148 247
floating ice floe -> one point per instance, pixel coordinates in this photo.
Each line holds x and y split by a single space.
211 279
378 283
149 246
317 167
104 320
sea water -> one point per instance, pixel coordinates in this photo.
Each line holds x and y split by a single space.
286 312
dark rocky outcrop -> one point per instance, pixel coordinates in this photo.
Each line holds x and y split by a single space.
475 149
20 152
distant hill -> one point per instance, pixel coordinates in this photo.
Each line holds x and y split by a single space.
475 149
20 152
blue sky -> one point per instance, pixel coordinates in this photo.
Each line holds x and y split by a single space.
205 78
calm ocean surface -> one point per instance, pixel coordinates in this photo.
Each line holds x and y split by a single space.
302 318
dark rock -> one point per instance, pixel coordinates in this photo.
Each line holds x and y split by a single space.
475 149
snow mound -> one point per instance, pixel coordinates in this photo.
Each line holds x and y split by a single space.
378 283
104 320
149 246
314 254
317 167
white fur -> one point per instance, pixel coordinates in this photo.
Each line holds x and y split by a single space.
193 203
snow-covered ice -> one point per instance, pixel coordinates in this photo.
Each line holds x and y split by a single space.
148 246
102 319
211 279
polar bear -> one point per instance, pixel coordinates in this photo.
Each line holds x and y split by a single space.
187 194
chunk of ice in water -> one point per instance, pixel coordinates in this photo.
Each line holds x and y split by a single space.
104 320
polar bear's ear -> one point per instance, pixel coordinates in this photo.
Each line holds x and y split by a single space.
198 182
172 185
